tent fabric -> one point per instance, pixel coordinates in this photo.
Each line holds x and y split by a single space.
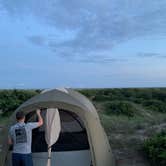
73 101
52 126
52 129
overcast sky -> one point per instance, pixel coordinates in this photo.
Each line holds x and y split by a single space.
82 43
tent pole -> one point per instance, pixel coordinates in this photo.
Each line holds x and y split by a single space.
49 156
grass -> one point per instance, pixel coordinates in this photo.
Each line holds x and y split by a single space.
126 132
3 120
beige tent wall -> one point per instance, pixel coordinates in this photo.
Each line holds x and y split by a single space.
101 148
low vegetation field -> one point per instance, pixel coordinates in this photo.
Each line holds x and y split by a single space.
131 118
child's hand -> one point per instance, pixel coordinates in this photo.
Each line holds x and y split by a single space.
38 111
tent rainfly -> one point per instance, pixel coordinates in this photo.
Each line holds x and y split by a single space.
71 128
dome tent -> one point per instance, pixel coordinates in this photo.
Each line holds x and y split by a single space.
82 141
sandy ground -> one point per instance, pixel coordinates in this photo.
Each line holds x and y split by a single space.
127 155
129 158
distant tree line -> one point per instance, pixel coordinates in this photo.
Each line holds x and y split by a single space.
118 100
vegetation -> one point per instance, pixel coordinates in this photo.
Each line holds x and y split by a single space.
152 99
119 108
156 105
129 117
116 101
155 149
11 99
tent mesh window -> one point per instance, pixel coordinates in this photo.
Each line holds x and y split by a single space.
73 134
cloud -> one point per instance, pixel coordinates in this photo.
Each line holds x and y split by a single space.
100 25
163 56
38 40
19 85
151 55
148 54
100 60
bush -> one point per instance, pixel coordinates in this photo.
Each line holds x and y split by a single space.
155 149
155 105
100 98
120 108
11 99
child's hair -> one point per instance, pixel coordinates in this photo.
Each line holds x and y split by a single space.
20 115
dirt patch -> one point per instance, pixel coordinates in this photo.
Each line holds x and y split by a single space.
124 157
127 147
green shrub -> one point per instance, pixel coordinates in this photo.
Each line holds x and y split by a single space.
120 108
11 99
159 94
155 149
99 98
155 105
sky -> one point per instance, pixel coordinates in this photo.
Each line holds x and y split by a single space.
82 44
